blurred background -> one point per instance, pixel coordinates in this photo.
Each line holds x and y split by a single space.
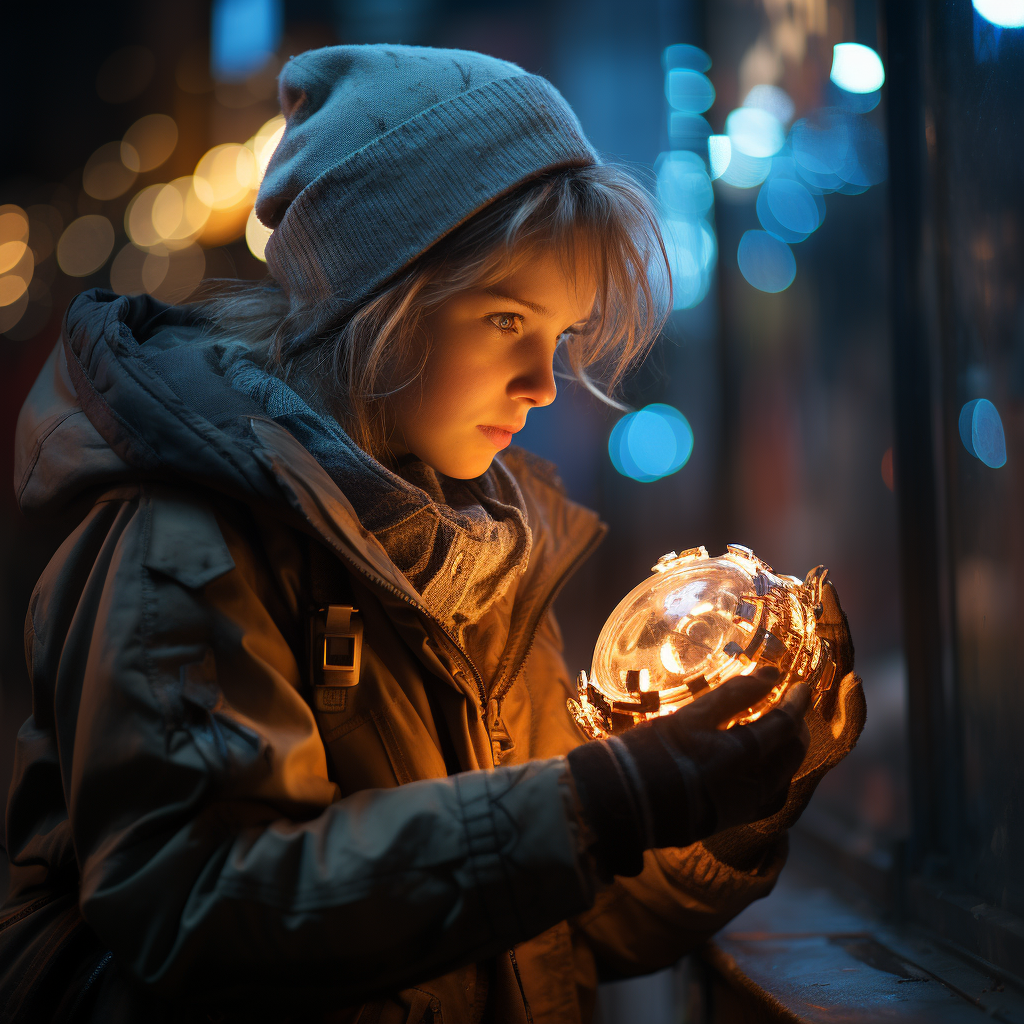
767 413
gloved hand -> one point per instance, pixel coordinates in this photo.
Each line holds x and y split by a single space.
834 724
679 778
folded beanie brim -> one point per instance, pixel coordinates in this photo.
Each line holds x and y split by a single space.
361 221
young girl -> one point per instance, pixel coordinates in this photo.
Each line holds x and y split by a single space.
299 743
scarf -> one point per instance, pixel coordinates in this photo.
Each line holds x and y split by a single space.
462 544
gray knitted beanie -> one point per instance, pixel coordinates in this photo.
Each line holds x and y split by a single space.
387 148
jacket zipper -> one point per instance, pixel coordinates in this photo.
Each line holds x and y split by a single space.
519 981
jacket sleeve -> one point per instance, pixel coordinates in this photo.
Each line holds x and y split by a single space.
215 855
682 896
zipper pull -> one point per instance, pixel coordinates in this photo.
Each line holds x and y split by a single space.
501 742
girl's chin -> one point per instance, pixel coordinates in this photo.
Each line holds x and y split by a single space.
462 466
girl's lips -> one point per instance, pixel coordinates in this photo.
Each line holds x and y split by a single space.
498 436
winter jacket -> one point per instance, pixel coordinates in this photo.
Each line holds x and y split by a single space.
192 831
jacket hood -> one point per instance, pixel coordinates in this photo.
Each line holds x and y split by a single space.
112 402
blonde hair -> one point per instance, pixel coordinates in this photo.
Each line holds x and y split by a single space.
346 362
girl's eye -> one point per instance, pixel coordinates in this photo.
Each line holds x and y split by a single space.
507 323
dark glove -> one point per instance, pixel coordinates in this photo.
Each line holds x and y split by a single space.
834 724
676 779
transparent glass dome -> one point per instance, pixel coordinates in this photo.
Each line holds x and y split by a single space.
695 623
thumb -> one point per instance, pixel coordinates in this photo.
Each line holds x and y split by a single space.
715 709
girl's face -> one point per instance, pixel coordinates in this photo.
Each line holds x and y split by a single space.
489 362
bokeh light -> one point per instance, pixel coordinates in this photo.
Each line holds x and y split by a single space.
692 251
17 264
12 288
771 224
264 142
17 261
1004 13
719 154
855 102
689 91
651 443
685 55
244 36
149 142
772 99
178 214
683 184
838 151
256 236
226 176
13 224
857 68
765 261
138 218
981 430
688 131
11 254
754 132
85 245
105 176
818 146
792 205
745 171
126 270
211 206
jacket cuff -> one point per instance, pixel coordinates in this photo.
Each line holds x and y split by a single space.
527 848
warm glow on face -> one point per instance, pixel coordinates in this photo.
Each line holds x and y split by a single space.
489 362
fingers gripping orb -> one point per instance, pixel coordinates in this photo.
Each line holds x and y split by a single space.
695 623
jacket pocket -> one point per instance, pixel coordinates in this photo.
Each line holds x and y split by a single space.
185 541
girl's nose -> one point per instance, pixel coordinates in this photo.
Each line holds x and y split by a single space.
536 383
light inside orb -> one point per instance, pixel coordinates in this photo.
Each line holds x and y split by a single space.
696 623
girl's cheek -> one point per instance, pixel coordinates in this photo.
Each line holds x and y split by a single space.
464 383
